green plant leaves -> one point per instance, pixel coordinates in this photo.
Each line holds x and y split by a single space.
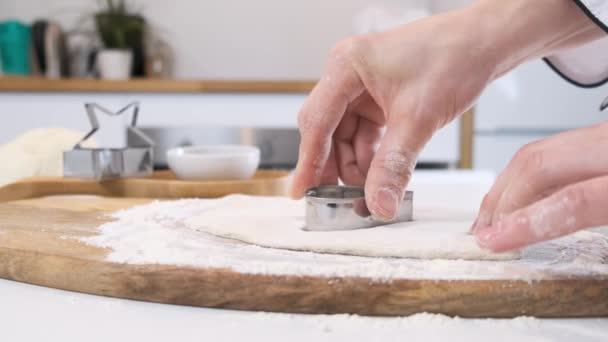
119 31
117 28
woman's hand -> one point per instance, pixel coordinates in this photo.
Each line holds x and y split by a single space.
413 80
551 188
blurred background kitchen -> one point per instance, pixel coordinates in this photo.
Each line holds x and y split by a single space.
238 71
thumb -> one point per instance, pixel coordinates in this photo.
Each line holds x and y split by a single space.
392 166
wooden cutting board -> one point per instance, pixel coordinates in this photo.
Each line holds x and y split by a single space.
39 245
161 185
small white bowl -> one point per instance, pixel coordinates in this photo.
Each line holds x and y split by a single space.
214 162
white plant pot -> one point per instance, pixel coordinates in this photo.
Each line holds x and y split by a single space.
114 64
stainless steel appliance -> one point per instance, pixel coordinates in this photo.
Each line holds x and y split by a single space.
279 146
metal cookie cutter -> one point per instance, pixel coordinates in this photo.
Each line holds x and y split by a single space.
333 207
134 160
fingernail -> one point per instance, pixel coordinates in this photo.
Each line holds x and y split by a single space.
483 221
385 203
473 227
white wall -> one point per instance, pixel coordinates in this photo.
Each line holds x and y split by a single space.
258 39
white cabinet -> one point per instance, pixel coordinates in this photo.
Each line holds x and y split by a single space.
534 97
494 151
527 104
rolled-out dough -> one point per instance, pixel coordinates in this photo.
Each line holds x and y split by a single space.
278 222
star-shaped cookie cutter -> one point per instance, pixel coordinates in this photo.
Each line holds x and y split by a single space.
134 160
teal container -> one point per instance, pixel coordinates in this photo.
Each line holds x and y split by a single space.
15 40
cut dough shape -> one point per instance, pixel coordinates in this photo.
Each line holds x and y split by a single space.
278 222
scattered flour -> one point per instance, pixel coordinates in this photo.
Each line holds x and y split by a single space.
155 233
420 327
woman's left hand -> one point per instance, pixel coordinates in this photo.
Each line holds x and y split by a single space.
551 188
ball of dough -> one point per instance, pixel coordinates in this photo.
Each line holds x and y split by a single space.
38 152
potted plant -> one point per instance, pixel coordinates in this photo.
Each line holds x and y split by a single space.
121 33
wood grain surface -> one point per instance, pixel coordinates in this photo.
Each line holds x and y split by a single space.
39 245
467 135
39 84
161 185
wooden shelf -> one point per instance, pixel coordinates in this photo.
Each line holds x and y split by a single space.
29 84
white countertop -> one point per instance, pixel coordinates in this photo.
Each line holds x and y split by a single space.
34 313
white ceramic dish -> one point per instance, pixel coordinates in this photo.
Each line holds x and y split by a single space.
214 162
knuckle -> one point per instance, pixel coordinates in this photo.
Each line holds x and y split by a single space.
350 50
345 47
342 47
531 161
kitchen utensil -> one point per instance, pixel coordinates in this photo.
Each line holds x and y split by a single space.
159 60
335 207
15 48
80 46
135 160
214 162
55 52
38 43
278 146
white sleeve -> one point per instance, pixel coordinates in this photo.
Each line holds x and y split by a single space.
587 65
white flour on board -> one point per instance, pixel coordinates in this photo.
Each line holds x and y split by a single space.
155 233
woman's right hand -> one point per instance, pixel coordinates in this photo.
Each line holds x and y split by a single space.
412 81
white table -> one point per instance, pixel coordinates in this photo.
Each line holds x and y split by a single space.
34 313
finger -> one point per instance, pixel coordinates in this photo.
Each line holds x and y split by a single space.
350 173
525 163
547 171
356 142
491 199
318 119
539 169
514 170
575 207
391 167
357 139
366 143
329 176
